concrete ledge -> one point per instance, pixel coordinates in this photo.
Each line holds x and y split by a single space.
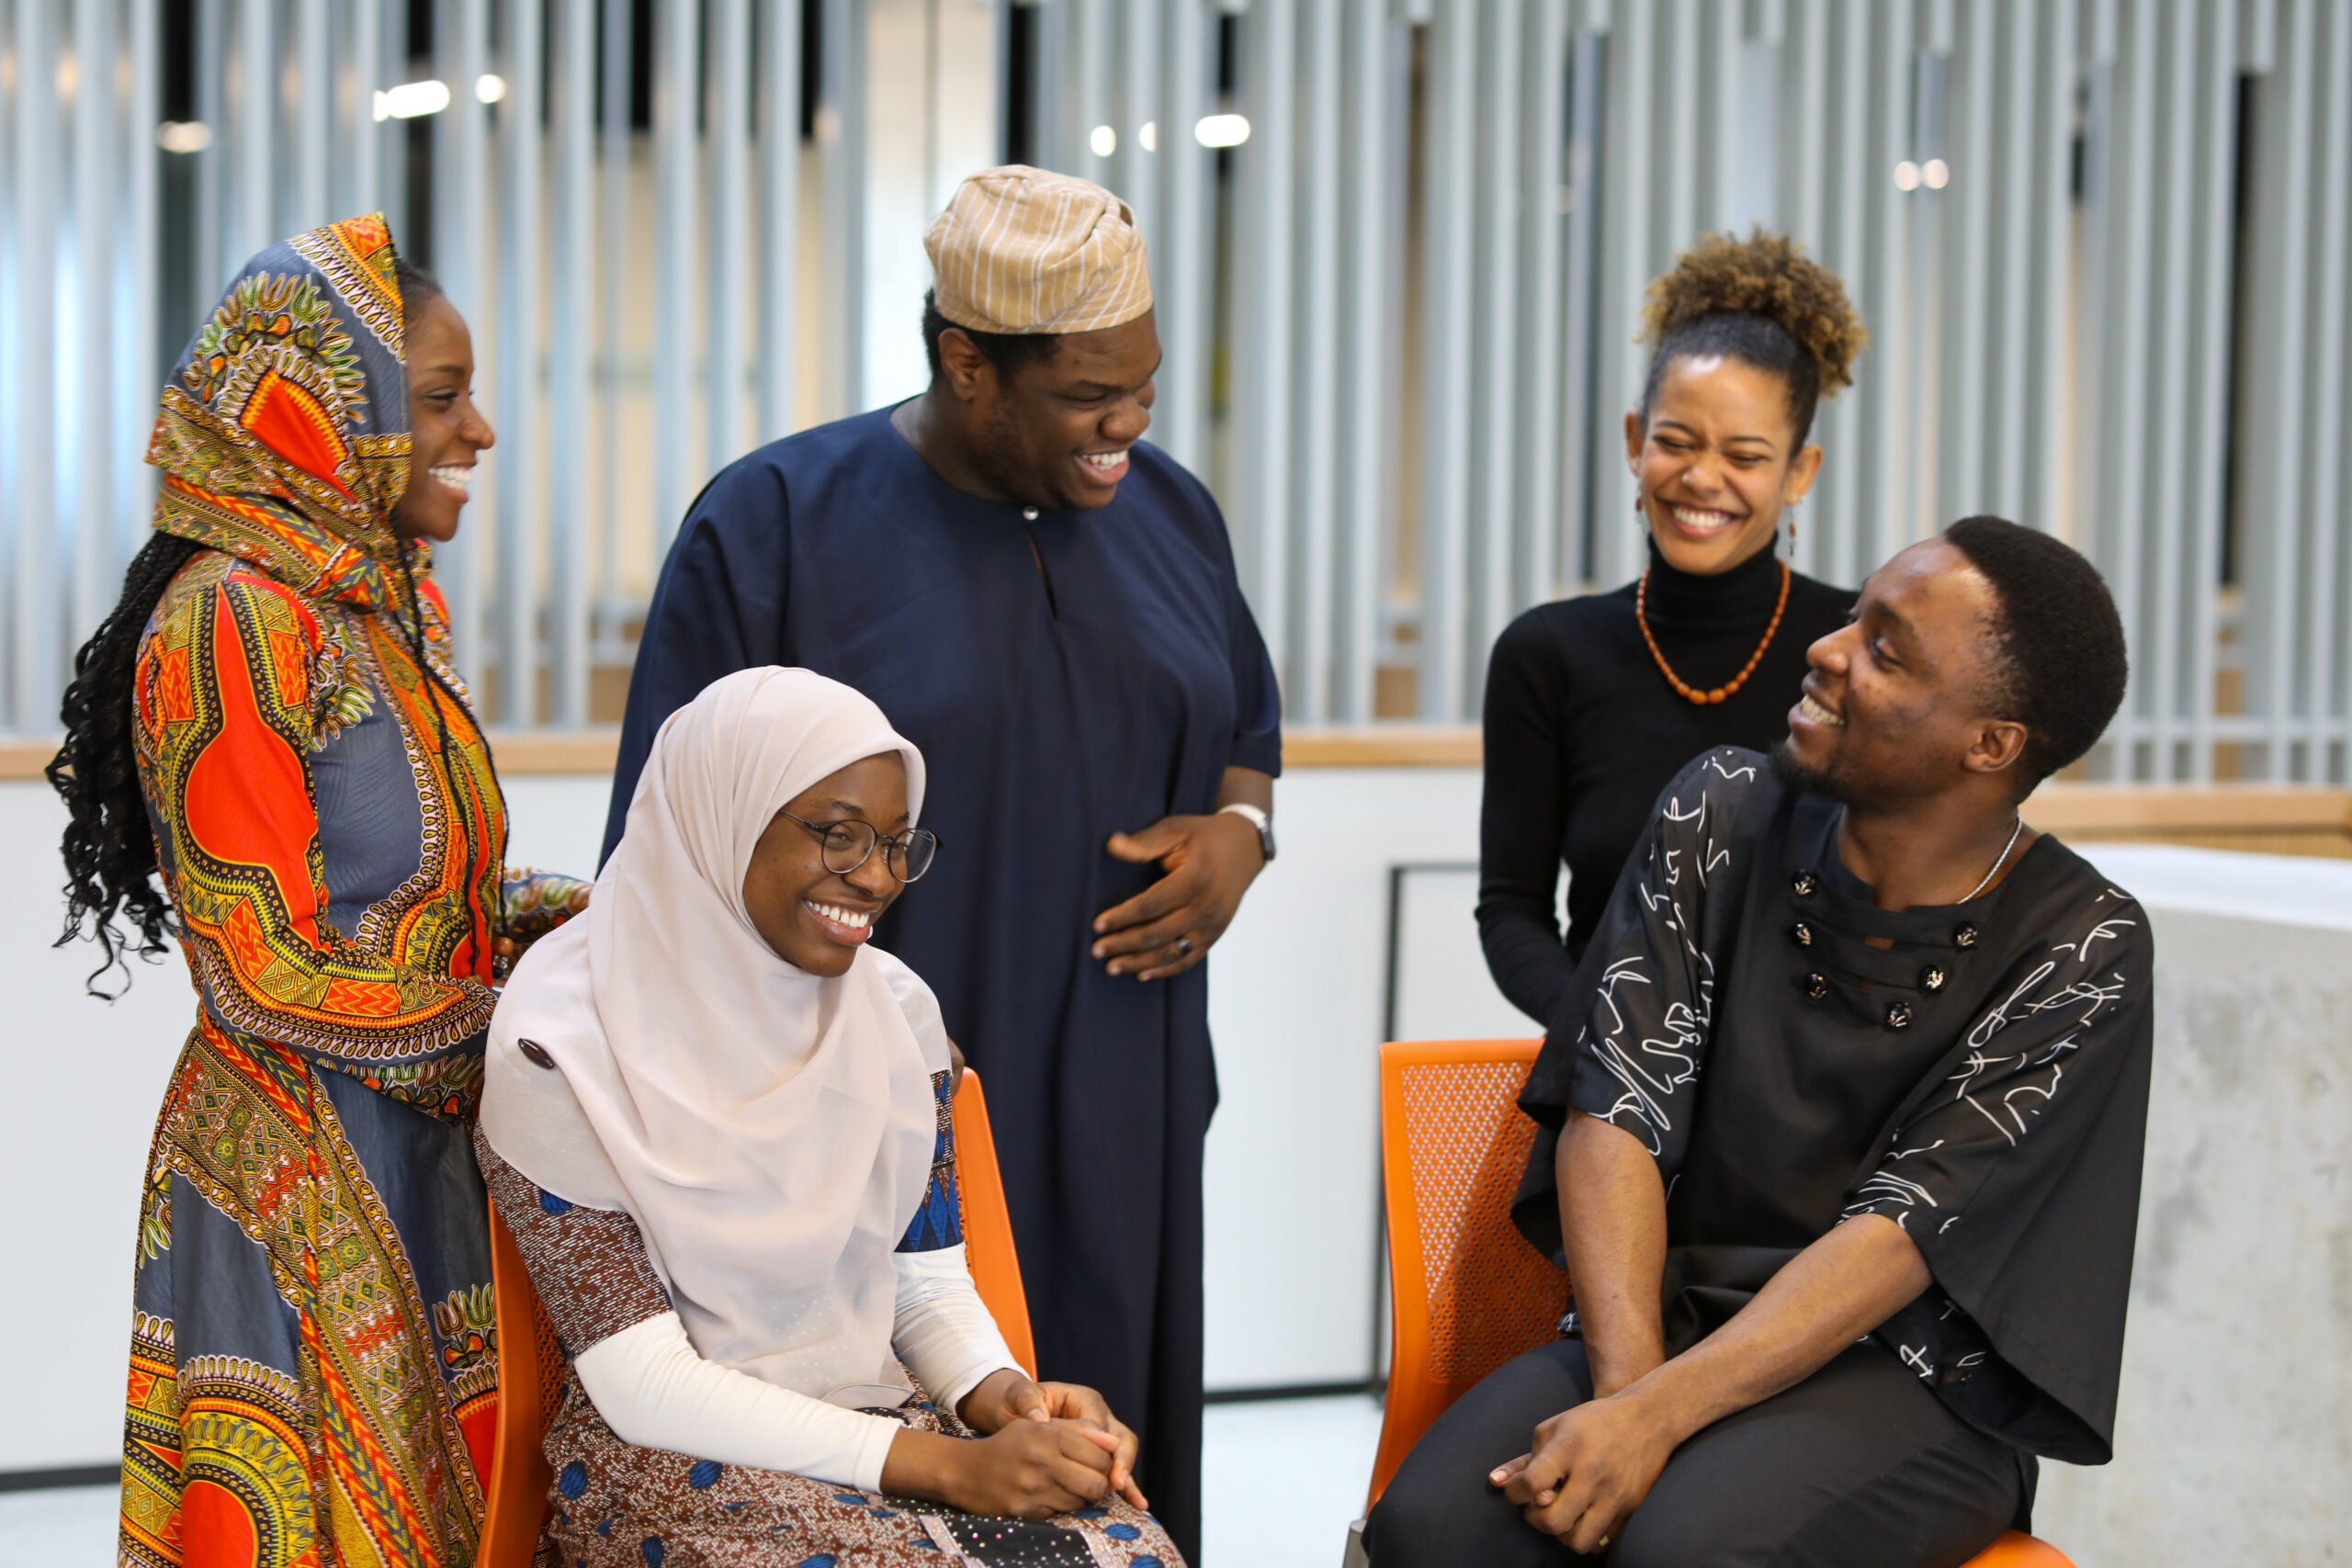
2230 1442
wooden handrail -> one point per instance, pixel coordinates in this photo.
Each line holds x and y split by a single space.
2102 810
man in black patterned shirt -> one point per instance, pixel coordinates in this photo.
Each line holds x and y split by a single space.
1842 1125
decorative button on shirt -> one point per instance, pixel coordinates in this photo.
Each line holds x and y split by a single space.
1802 934
1807 883
1964 935
1899 1016
1817 985
536 1051
1932 978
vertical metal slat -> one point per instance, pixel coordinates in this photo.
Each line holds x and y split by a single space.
2323 617
89 520
138 375
521 261
460 136
32 683
779 204
1320 127
1447 227
1262 284
677 97
570 336
1364 411
1544 93
312 198
728 131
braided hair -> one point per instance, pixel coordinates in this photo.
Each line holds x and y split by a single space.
1760 300
109 844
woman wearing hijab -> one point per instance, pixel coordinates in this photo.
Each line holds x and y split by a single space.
717 1121
269 720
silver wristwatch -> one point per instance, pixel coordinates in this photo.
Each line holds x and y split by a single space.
1257 820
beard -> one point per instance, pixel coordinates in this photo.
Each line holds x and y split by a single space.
998 452
1796 775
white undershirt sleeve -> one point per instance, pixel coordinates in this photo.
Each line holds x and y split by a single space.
655 1389
942 1330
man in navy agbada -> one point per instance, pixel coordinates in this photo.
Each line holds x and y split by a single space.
1047 607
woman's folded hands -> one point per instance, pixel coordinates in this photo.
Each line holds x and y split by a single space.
1048 1449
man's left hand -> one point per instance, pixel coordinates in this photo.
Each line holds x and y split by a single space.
1591 1468
1170 925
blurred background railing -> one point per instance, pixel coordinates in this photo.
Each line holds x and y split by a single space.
2101 246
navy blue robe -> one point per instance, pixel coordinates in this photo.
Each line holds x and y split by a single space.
1068 677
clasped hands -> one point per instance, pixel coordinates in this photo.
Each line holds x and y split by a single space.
1048 1449
1590 1469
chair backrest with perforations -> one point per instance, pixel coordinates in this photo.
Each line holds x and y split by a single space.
1467 1293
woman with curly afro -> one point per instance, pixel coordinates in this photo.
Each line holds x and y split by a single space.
1594 704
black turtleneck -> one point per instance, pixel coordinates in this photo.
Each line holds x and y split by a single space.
1583 732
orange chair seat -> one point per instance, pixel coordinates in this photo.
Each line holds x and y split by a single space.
1466 1291
531 1368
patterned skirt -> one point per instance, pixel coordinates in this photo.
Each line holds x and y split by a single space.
618 1505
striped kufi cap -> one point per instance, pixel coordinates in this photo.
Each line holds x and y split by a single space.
1023 249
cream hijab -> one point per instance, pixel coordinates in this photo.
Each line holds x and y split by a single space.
770 1132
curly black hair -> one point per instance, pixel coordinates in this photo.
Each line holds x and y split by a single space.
1006 351
109 844
2062 666
1760 300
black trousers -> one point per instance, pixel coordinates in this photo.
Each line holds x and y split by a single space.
1858 1464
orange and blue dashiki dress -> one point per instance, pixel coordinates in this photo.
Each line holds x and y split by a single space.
313 1366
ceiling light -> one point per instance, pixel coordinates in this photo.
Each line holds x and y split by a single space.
411 99
1222 131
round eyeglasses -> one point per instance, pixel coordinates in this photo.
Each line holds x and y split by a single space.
847 845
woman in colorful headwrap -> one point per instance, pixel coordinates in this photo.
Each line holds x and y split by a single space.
269 721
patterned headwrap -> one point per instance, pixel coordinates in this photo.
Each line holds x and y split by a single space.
283 436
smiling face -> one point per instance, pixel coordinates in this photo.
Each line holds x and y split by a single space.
447 432
1055 434
813 919
1716 461
1895 704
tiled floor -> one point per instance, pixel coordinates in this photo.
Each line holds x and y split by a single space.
1281 1481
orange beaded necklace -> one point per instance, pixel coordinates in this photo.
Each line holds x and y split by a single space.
1683 688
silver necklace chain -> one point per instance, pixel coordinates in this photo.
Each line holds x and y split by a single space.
1997 865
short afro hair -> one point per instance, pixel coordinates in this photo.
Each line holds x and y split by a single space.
2061 665
1007 351
1760 300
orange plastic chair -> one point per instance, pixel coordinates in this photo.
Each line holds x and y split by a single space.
517 1499
1466 1293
